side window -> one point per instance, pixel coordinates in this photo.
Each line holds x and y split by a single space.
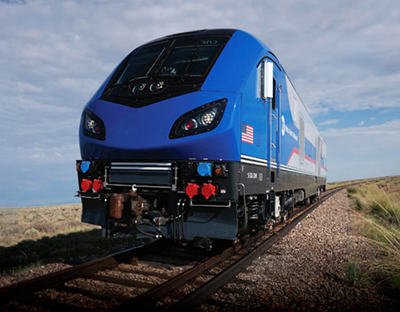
260 80
265 74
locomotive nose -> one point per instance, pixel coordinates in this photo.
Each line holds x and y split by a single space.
199 125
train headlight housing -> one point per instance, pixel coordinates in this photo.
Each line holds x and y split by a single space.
93 126
199 120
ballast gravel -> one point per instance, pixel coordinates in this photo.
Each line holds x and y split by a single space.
305 270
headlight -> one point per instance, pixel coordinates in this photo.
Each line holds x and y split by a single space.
93 126
201 119
208 117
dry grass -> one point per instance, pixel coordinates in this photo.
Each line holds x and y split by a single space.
350 182
34 236
379 205
18 224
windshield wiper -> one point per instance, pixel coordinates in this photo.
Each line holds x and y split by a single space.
185 69
127 81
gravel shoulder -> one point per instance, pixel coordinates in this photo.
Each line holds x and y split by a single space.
305 270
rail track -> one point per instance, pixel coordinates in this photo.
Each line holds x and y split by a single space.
147 277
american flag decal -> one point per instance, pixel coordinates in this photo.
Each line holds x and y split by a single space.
247 133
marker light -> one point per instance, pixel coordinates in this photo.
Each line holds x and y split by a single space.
190 124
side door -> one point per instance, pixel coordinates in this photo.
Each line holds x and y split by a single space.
270 93
274 124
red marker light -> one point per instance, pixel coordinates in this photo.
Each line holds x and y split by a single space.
190 124
192 189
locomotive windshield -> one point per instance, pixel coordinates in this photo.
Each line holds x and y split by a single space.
141 61
192 57
164 69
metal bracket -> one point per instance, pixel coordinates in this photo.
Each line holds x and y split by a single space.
87 197
207 205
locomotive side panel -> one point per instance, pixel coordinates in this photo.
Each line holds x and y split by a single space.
304 151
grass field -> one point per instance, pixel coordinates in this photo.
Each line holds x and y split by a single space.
378 203
30 237
350 182
18 224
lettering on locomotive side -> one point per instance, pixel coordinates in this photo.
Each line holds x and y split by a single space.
252 175
286 129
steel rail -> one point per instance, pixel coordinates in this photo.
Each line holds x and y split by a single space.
57 279
201 294
149 299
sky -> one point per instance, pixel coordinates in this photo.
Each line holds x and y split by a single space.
343 57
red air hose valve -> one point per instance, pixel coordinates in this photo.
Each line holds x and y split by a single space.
86 185
192 189
207 190
97 185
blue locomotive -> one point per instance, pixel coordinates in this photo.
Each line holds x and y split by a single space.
197 135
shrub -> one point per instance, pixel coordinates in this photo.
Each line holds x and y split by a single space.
353 272
31 233
384 204
352 190
359 205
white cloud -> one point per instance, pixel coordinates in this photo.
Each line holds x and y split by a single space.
26 87
329 122
390 129
361 123
362 152
385 111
